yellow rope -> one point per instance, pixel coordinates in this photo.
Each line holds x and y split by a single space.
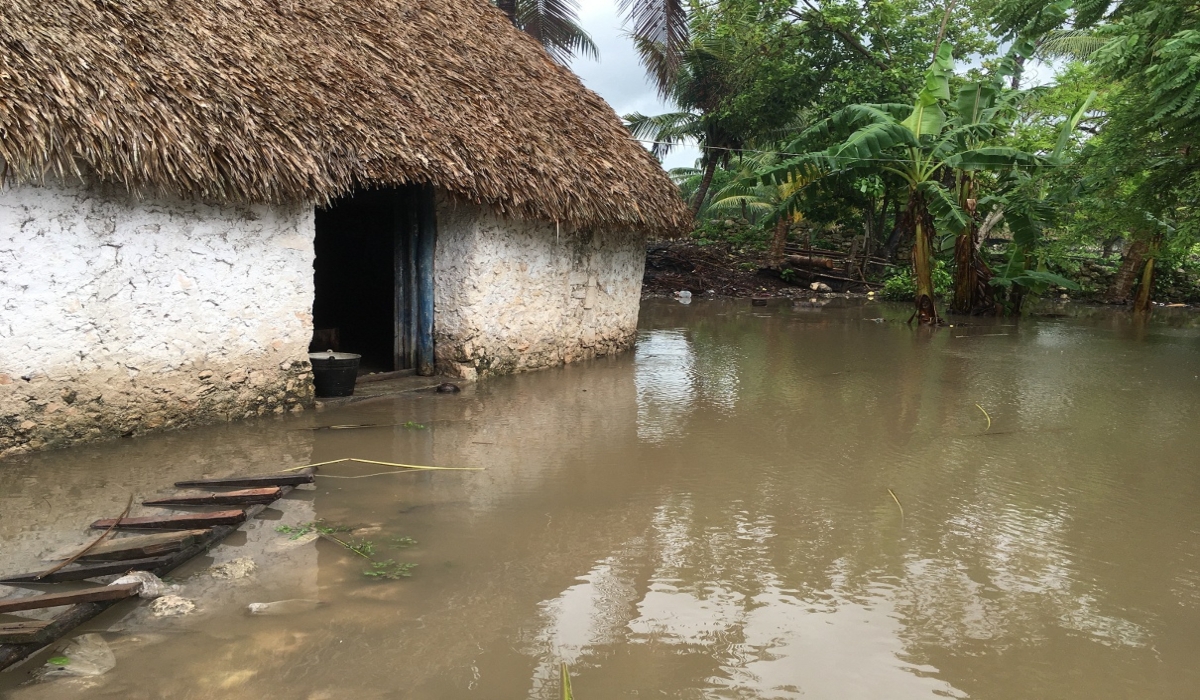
386 464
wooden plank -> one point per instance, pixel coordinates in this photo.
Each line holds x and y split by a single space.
175 522
80 572
87 595
22 632
76 615
228 498
137 546
426 235
282 479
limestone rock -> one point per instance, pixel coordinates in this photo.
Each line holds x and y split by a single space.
171 606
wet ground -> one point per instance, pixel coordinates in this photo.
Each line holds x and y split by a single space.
706 517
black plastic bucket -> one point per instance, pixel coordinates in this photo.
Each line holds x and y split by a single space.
334 373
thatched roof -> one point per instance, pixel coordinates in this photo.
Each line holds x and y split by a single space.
291 100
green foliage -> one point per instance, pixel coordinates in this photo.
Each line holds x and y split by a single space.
901 286
389 569
295 532
386 569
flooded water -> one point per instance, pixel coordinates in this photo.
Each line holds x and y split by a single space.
759 502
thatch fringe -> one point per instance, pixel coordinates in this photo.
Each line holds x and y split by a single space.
304 100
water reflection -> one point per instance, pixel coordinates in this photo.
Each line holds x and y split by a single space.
709 517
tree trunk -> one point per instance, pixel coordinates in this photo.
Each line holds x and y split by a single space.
972 288
508 7
1131 261
1146 286
898 230
1142 303
778 242
701 192
922 260
989 222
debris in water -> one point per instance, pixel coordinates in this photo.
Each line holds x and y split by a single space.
103 536
284 607
985 415
242 567
86 655
897 500
171 606
152 586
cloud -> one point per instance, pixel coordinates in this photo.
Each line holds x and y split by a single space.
617 76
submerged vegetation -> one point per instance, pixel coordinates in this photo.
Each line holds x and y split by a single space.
388 569
878 142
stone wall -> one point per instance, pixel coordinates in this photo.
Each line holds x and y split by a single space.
119 316
513 295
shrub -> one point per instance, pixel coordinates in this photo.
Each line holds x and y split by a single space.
902 287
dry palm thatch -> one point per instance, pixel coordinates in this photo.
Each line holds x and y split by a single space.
303 100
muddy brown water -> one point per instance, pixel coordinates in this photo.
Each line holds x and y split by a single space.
708 516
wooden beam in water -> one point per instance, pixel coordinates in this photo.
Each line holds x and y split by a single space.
87 595
141 546
22 632
137 546
80 572
228 498
283 479
175 522
78 614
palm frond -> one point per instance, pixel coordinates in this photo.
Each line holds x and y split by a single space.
1075 44
665 131
555 24
660 32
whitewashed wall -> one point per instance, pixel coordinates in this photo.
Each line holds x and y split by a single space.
512 295
120 315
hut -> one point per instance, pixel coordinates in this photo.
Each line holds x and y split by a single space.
190 187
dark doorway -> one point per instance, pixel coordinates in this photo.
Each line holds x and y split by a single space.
374 278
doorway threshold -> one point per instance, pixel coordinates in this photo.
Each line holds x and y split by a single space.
407 381
384 376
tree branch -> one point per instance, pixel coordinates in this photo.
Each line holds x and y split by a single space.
814 16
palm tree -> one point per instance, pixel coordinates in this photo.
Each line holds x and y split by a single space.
698 87
555 24
773 204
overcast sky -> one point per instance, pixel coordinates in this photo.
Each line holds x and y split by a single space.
617 76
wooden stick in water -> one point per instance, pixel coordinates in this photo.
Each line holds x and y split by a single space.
95 542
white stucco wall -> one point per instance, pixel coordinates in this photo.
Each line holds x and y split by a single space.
120 315
512 295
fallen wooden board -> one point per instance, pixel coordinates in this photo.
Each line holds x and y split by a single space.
86 570
283 479
137 546
175 522
228 498
87 595
76 615
22 632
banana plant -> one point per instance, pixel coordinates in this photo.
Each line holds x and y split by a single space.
769 204
920 145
